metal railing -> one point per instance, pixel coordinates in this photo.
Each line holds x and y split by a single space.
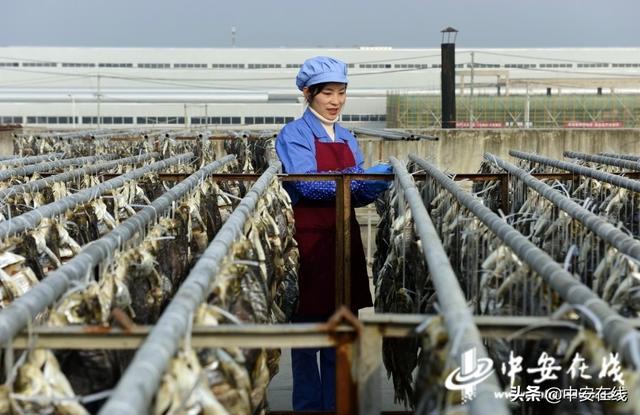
40 184
32 218
405 110
138 385
617 330
457 316
25 308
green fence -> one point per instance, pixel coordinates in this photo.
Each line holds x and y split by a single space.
517 111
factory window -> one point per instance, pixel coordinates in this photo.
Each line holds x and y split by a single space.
225 120
41 120
279 120
436 65
141 120
293 65
593 65
248 120
127 120
269 120
363 117
264 65
175 120
520 65
10 120
162 120
115 65
77 65
107 120
259 120
154 65
411 65
31 120
375 65
117 120
195 120
556 65
236 120
288 119
51 120
351 65
39 64
227 65
190 65
484 65
214 120
5 64
626 65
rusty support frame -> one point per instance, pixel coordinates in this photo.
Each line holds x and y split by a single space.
346 388
504 194
291 335
339 248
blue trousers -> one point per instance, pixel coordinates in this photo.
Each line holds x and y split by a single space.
314 389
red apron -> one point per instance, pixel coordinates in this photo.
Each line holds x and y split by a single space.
316 237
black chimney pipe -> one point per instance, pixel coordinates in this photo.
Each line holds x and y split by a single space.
448 78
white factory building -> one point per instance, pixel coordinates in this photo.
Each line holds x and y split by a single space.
66 87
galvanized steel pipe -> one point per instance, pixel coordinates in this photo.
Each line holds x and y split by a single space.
32 218
23 161
598 225
581 170
40 184
52 165
617 330
25 308
457 316
138 385
610 161
387 135
621 156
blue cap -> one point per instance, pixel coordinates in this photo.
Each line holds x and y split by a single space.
321 69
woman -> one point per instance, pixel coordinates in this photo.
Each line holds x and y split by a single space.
316 143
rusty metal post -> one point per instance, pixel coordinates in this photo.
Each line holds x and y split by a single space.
346 393
340 231
346 388
504 194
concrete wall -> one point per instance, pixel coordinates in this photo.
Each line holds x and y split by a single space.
6 141
461 151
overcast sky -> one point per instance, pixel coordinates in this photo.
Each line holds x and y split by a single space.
327 23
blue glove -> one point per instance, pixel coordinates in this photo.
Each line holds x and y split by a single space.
382 168
378 186
371 189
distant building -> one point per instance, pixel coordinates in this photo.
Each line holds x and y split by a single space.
253 88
